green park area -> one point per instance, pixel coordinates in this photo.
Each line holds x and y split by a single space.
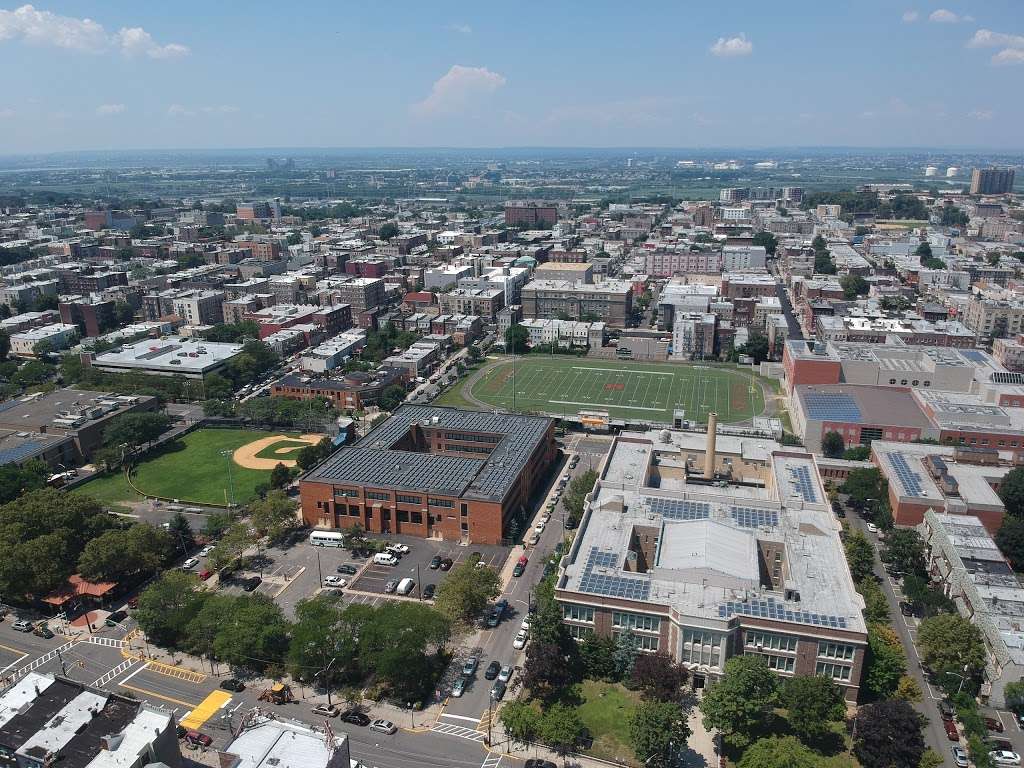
191 469
627 390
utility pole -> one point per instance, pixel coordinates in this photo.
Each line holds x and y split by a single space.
319 572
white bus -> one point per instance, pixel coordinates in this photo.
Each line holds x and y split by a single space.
327 539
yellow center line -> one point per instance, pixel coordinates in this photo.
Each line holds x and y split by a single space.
14 650
148 692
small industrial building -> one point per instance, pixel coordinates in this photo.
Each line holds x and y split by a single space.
268 742
176 356
429 471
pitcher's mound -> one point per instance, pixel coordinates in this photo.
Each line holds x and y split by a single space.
246 455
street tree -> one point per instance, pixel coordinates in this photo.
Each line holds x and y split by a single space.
658 732
561 729
319 649
888 735
951 644
1011 492
832 445
658 676
904 550
1014 694
120 554
545 673
812 703
740 700
167 606
466 592
274 516
180 531
876 605
779 752
400 645
862 485
885 662
521 720
234 541
860 555
252 634
575 496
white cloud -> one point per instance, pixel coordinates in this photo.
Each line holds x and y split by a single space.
911 16
135 41
981 114
943 16
180 110
733 46
457 88
7 112
110 109
38 27
1009 56
462 29
986 38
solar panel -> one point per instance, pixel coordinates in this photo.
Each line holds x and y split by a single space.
832 406
800 481
611 585
750 517
9 404
675 509
974 354
910 479
769 608
19 452
1007 377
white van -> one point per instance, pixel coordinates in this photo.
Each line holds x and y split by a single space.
405 586
385 558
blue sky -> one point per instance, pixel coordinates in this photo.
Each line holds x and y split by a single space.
218 74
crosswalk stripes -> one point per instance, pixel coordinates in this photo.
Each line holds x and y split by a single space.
457 731
491 761
486 719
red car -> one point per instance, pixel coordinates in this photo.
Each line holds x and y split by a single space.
951 731
204 575
523 560
199 739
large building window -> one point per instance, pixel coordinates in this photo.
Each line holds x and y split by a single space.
769 641
579 633
701 647
835 651
578 612
379 496
346 492
406 499
636 621
441 503
835 671
780 663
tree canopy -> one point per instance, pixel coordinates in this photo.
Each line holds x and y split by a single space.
739 701
951 645
889 735
516 339
466 592
1011 492
658 731
860 555
832 445
812 702
779 752
1010 540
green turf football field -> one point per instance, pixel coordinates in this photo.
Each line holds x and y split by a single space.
627 390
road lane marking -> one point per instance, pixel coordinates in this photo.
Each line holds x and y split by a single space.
207 708
462 717
148 692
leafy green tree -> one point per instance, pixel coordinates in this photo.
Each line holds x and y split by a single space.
252 633
832 445
933 263
741 699
766 240
952 216
598 656
908 690
904 550
860 555
853 286
167 606
1010 540
864 484
5 344
626 650
574 499
280 477
233 542
812 703
823 264
561 729
15 480
779 752
320 649
119 554
391 397
215 525
756 346
884 664
876 606
923 251
466 592
136 429
1011 492
218 388
950 643
521 721
388 231
180 531
819 244
658 732
400 645
857 453
1014 694
516 339
889 735
274 516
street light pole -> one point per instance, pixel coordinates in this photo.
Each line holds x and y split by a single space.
319 572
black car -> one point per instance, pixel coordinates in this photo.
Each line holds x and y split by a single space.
906 609
446 564
232 684
501 607
536 762
492 670
498 690
435 562
252 583
355 717
347 569
946 710
428 592
493 618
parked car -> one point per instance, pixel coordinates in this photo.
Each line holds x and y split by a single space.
872 528
532 540
43 631
517 571
994 724
189 564
397 548
133 602
946 710
1004 757
116 618
536 762
1001 744
356 717
335 581
428 592
383 726
435 563
525 626
459 687
349 570
447 563
501 607
251 583
492 670
391 586
520 642
206 550
505 674
906 608
959 756
232 684
323 710
198 739
951 731
469 666
498 690
22 626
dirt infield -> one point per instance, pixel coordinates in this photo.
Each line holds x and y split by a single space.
246 455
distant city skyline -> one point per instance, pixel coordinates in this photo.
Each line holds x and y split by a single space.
118 75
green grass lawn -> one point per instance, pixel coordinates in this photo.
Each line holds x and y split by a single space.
191 469
605 711
270 452
629 390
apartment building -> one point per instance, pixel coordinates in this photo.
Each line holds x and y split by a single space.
486 302
530 215
992 181
199 307
610 301
994 318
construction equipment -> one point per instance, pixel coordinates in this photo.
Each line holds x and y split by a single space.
279 693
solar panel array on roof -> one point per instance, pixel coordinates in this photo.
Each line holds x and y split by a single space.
974 354
750 517
832 406
612 585
676 509
769 608
444 475
8 405
910 479
800 480
1007 377
19 452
